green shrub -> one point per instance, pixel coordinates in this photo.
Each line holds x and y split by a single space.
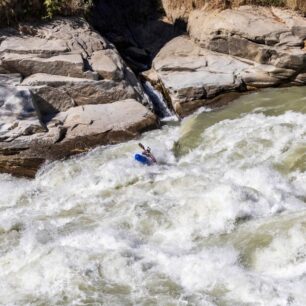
13 11
52 7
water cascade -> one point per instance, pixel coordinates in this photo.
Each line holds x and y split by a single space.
158 101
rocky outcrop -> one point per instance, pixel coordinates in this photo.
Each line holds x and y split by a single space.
80 91
181 9
28 139
231 50
63 90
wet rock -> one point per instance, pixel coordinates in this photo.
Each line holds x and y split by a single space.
17 112
109 123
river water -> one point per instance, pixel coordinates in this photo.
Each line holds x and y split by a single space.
221 220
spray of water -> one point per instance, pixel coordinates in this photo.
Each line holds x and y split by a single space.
221 220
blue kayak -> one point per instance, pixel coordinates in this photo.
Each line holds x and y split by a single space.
143 159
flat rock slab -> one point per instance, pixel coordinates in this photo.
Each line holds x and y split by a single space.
33 45
80 91
126 117
64 64
75 131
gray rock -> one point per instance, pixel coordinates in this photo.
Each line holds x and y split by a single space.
49 100
33 45
65 65
294 21
300 79
18 116
110 121
261 76
39 116
81 91
67 47
189 73
107 64
75 131
250 32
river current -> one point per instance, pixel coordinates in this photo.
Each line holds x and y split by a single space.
221 220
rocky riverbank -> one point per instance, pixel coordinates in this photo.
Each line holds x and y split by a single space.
231 50
64 88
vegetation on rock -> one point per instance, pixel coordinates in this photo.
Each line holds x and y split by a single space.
13 11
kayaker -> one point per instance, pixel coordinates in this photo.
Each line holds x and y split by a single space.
147 152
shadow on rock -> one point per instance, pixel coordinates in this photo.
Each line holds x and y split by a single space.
139 29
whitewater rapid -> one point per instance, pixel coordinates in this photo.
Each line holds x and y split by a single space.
221 220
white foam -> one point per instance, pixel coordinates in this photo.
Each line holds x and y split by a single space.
101 228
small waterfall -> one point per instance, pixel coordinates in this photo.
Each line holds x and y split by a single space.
159 104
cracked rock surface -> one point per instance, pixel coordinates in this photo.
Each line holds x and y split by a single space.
64 89
231 50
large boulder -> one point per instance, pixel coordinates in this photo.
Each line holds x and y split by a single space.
64 89
190 75
68 48
108 64
181 9
254 33
91 125
75 131
80 91
230 50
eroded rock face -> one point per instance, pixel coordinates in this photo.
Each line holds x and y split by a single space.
63 90
180 9
80 91
26 141
254 33
230 50
68 48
